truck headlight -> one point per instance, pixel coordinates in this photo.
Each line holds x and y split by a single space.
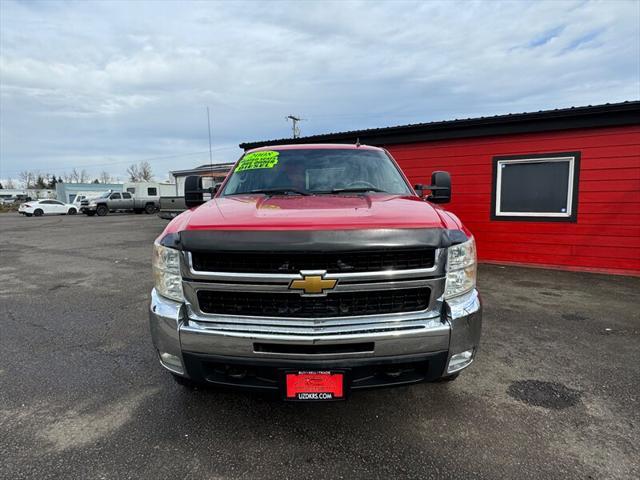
92 204
461 269
166 272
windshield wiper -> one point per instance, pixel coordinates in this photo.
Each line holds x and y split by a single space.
357 190
279 191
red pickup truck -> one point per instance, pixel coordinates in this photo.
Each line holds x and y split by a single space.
314 271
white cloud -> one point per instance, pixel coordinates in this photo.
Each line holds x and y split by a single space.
101 82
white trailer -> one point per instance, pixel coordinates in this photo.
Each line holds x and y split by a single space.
150 190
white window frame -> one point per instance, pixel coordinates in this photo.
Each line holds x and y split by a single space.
570 181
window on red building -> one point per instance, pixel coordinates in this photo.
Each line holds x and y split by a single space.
536 187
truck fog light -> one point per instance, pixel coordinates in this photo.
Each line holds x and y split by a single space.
172 362
459 361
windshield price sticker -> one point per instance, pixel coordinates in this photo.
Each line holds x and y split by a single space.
258 160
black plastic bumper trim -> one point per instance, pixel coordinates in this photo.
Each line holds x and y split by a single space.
266 374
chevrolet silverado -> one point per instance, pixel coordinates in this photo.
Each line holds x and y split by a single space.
314 271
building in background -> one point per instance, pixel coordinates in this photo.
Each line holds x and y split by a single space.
25 193
173 205
41 193
67 192
556 188
12 195
217 171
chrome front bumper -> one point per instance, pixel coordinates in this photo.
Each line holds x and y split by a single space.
173 334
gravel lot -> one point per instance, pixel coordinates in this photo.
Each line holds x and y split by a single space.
553 394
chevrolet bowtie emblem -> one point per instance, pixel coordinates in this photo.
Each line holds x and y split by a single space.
313 284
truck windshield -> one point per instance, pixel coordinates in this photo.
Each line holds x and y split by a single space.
315 171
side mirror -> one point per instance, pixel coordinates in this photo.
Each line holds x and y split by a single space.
419 188
193 191
440 187
216 187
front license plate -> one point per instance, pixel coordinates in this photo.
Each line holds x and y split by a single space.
314 386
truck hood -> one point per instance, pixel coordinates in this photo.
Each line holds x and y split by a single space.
316 212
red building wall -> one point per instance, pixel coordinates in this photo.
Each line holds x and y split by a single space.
606 236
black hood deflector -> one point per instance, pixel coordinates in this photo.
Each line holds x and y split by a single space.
312 240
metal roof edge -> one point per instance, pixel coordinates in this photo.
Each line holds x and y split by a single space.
609 114
205 168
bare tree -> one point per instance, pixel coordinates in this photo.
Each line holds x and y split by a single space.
74 176
146 175
140 172
27 178
9 183
105 177
133 173
84 176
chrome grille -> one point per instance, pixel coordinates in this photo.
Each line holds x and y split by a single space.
378 301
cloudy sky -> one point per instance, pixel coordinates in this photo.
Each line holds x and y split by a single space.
99 85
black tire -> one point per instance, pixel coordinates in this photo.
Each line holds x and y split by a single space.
72 211
185 382
90 214
149 208
102 210
28 215
38 212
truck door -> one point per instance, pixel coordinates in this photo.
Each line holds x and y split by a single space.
127 201
115 201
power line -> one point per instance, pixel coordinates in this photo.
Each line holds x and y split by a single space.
209 130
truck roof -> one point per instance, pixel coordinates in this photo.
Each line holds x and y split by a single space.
316 146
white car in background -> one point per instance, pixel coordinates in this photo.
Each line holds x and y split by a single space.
38 208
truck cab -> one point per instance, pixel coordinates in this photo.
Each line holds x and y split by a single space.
312 272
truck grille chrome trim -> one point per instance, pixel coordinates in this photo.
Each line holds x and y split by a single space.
300 328
283 287
331 262
263 303
384 275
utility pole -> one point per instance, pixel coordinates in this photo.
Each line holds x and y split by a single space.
210 153
294 125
